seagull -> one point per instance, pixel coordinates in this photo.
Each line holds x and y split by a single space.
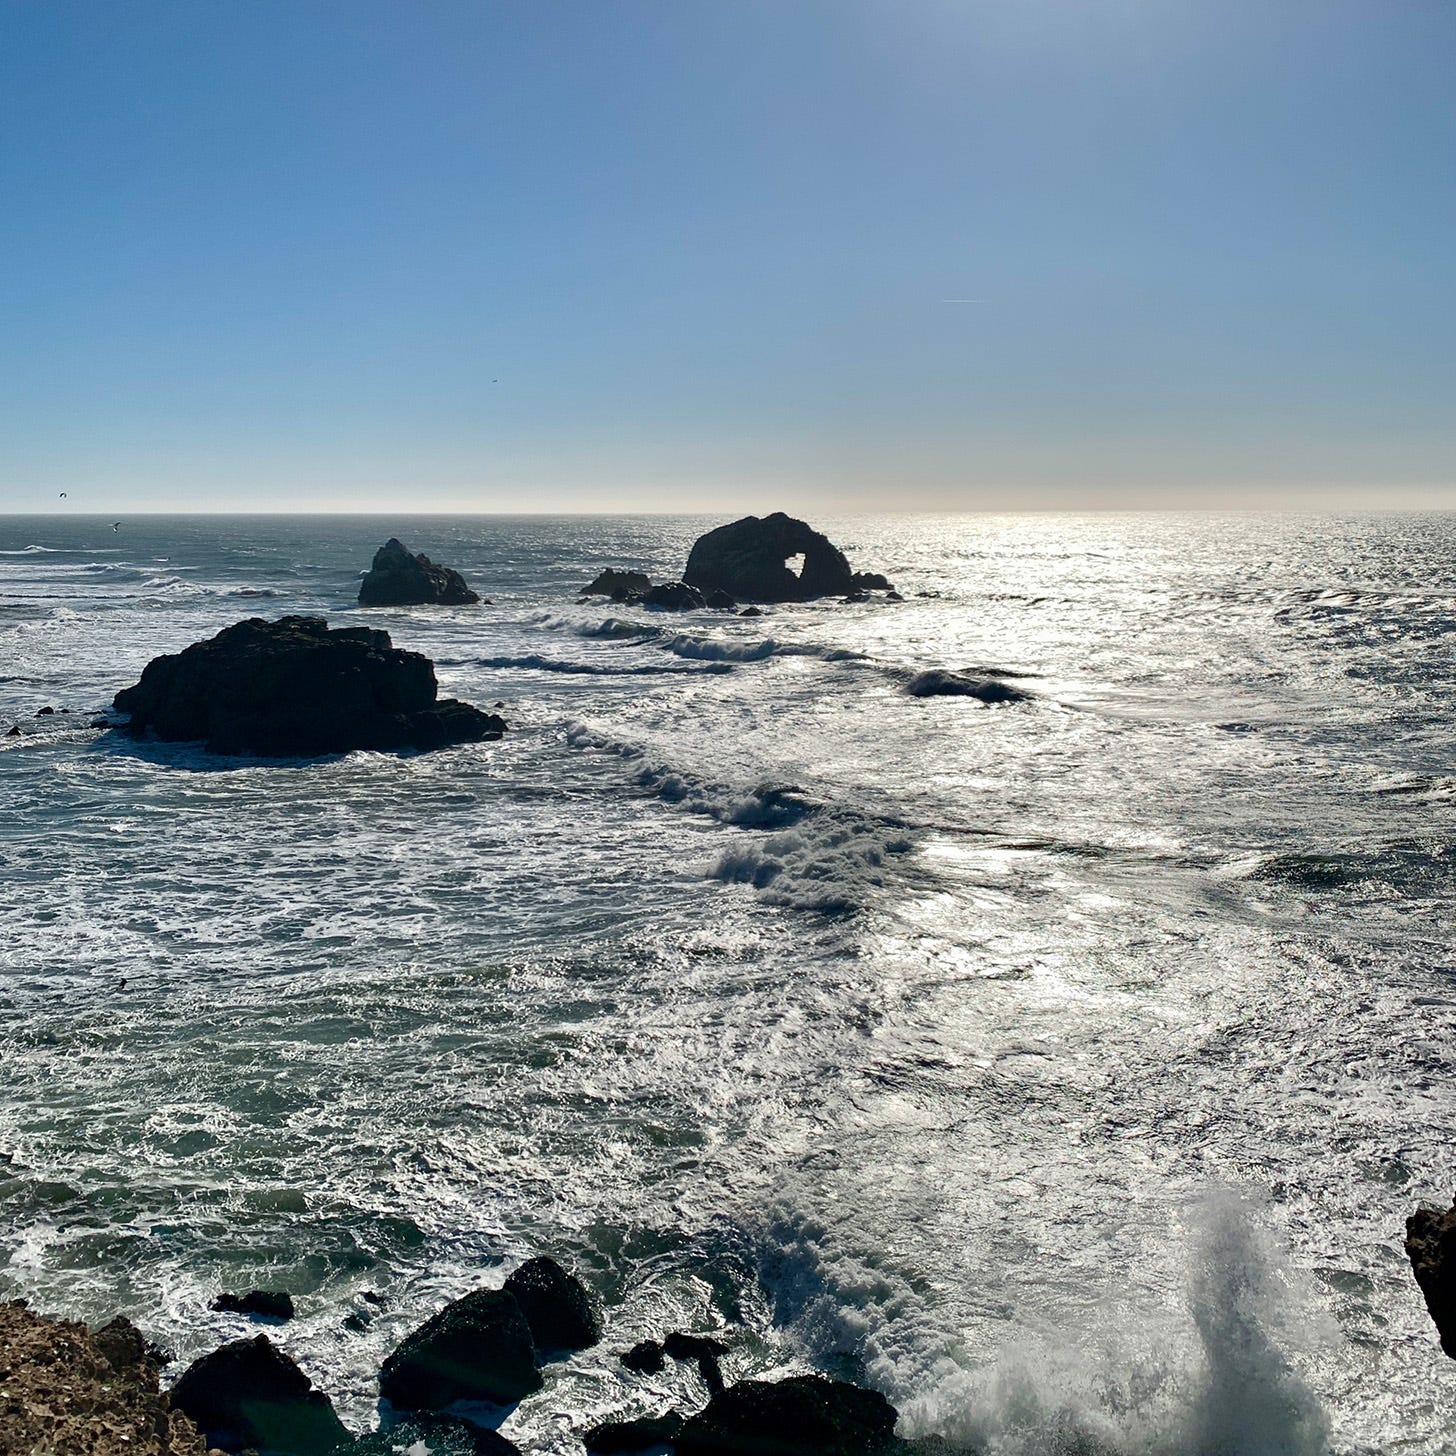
116 525
63 495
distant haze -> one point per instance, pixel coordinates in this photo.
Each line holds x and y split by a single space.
726 254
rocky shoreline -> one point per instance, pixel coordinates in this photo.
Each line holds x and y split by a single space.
69 1391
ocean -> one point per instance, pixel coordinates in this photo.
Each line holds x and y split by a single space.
1064 1069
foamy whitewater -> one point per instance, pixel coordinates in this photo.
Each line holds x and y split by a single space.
1064 1069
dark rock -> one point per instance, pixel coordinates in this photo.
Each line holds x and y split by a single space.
893 596
938 683
615 1437
747 559
14 731
127 1348
266 1303
646 1358
250 1395
671 596
557 1305
294 689
398 579
868 581
44 712
702 1348
478 1348
1430 1245
370 1296
441 1435
357 1321
100 723
611 581
751 612
720 601
805 1416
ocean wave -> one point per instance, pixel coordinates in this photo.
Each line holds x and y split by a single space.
711 649
34 551
534 662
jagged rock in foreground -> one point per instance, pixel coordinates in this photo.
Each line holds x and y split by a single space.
74 1392
557 1306
478 1348
747 559
807 1415
399 579
294 689
936 682
616 1438
248 1395
1430 1245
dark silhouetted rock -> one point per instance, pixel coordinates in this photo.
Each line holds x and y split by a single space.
100 723
399 579
646 1358
478 1348
14 731
264 1303
805 1416
1430 1245
557 1305
748 560
440 1435
751 612
868 581
938 683
294 689
672 596
702 1348
615 1438
720 601
249 1395
619 584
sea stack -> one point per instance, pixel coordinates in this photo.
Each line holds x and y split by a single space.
748 561
296 689
398 579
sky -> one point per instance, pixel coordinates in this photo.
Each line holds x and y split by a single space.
624 255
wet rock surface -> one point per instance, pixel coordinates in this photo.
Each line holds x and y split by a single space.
1430 1245
558 1307
478 1348
748 560
399 578
940 683
645 1434
619 585
273 1304
295 689
70 1391
807 1415
248 1395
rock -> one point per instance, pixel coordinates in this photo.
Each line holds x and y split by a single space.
720 601
44 712
398 579
557 1305
294 689
611 581
613 1437
938 683
807 1415
893 596
751 612
14 731
671 596
439 1435
645 1358
250 1395
357 1321
265 1303
68 1391
1430 1245
748 560
868 581
478 1348
100 723
702 1348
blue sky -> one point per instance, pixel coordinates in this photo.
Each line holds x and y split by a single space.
694 254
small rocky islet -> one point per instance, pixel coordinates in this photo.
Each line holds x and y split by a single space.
484 1349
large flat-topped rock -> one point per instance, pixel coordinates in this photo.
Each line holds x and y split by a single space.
295 689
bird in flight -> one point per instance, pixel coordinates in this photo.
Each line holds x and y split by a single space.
116 525
63 495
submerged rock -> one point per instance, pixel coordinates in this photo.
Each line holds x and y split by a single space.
294 689
65 1389
478 1348
748 560
249 1395
620 585
936 682
265 1303
702 1348
557 1306
1430 1245
399 579
646 1357
807 1415
615 1438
